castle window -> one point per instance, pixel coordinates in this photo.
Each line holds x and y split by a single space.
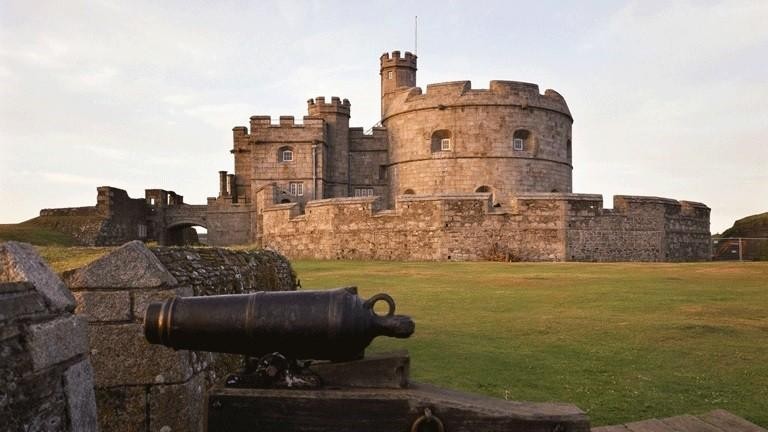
389 74
483 189
285 154
382 172
520 140
363 192
441 141
296 188
568 149
142 231
409 192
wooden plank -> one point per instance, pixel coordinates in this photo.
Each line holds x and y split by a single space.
729 422
652 425
689 423
618 428
381 410
385 370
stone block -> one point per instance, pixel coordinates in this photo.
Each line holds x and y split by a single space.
121 356
130 266
104 306
177 407
122 409
19 262
81 401
55 341
20 304
142 299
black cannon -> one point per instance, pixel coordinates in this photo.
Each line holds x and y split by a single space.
332 325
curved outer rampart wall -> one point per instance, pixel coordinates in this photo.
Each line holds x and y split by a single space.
482 124
538 227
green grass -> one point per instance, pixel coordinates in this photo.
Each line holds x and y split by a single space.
31 232
622 341
62 259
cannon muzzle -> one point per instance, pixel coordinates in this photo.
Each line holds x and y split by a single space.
322 325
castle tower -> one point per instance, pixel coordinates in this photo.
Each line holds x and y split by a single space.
336 116
396 73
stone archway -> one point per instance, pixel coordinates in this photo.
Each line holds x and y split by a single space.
183 233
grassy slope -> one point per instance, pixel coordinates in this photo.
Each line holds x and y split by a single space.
621 341
750 226
32 232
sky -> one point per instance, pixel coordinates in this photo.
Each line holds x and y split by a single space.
669 98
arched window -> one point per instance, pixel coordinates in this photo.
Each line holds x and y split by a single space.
441 141
409 192
483 189
521 140
285 154
285 201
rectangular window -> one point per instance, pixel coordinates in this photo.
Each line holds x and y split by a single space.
382 172
287 155
445 144
296 189
389 75
142 231
363 192
517 144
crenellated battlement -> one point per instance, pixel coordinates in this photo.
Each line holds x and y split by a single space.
265 121
318 106
388 60
377 132
461 93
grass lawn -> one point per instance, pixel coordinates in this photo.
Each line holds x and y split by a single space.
622 341
31 232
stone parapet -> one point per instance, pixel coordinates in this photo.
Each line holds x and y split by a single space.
144 387
46 378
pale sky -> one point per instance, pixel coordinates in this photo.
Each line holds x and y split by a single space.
670 98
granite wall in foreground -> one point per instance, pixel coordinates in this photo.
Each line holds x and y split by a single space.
46 379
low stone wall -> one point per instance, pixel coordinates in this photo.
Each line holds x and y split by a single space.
536 227
144 387
46 379
211 271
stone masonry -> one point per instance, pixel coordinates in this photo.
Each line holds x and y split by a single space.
509 145
46 378
142 387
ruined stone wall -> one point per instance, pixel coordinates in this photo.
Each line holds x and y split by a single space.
541 227
481 125
114 220
143 387
46 378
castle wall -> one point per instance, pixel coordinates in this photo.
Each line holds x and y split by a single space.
368 161
229 224
481 125
541 227
335 114
266 168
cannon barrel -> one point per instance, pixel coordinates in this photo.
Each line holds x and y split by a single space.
322 325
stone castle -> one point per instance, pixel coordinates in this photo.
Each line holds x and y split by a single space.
453 173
